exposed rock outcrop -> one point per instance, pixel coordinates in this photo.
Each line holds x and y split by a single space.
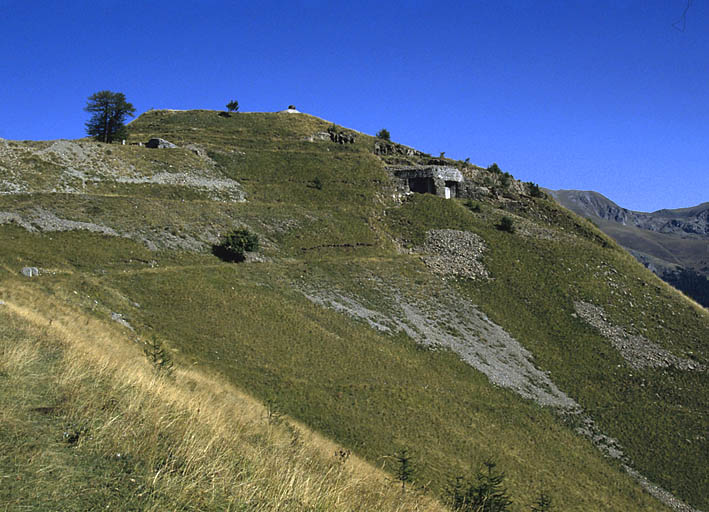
390 148
341 136
159 143
318 136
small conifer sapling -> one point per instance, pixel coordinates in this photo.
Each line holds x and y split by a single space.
543 503
159 357
404 470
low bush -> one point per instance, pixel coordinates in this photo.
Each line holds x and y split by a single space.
384 134
236 244
506 224
473 206
494 168
534 190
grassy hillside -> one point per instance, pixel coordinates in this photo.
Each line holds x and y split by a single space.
372 370
88 424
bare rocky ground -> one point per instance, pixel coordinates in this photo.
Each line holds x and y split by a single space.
79 167
40 219
452 253
44 220
65 166
449 321
637 350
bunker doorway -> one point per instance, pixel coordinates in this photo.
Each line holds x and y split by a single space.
451 189
421 185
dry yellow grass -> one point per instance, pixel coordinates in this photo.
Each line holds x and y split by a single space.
208 443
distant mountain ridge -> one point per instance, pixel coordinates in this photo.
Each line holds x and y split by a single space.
673 243
690 222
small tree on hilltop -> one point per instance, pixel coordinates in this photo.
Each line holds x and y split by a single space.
233 106
384 134
109 111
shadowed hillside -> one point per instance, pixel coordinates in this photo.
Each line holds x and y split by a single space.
674 244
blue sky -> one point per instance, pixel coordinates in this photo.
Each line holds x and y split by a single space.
598 95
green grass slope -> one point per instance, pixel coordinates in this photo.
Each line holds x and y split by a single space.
88 424
328 223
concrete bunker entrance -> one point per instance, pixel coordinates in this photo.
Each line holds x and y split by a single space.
451 189
442 181
421 185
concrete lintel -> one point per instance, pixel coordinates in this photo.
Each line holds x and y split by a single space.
435 172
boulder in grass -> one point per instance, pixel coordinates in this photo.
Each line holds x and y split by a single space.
30 271
159 143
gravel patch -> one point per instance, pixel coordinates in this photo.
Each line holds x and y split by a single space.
9 187
68 152
46 221
216 188
159 239
452 253
659 493
351 307
76 164
14 218
638 351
